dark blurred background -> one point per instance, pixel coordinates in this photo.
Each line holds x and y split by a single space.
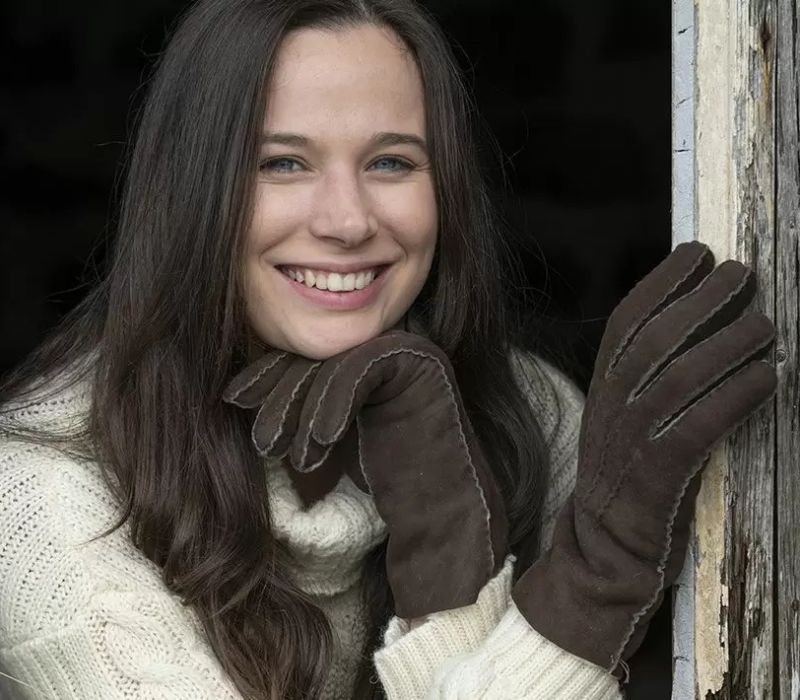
577 94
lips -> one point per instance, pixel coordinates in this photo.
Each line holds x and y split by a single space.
337 300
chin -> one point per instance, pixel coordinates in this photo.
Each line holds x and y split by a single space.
322 348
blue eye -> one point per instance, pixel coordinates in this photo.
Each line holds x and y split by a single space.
284 165
401 164
274 164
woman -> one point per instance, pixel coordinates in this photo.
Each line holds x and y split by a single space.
304 233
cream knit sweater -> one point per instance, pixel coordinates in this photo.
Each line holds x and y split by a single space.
93 621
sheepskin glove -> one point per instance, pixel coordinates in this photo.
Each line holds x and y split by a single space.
390 411
678 369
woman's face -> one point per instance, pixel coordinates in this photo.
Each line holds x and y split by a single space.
345 186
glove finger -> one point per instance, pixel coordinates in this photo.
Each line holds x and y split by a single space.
717 301
691 374
277 420
350 386
694 431
343 386
680 272
253 384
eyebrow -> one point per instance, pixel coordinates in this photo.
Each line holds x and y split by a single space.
382 138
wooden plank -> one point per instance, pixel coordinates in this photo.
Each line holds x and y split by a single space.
683 195
735 215
787 316
713 202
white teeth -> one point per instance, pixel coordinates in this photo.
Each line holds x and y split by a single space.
335 282
332 281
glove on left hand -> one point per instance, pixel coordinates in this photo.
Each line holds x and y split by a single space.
391 409
679 368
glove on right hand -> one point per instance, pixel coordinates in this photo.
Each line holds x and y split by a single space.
677 371
390 411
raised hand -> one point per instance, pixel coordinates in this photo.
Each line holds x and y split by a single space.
678 370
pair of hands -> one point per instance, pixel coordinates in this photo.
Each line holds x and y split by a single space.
678 369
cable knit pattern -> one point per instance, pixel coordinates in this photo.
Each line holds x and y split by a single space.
84 620
329 540
516 662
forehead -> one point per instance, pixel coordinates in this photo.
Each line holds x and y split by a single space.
345 80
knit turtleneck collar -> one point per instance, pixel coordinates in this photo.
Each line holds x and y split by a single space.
329 540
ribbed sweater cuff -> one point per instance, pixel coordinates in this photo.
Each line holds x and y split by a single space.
485 650
517 662
409 659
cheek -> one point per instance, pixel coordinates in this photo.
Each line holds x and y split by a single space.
275 215
412 215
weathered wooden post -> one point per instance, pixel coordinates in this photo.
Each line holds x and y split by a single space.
736 187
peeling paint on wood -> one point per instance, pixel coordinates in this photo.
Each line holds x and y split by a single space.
745 560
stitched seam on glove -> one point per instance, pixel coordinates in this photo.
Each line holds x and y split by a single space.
361 455
282 423
615 658
233 398
668 424
622 474
338 431
657 310
653 374
600 471
310 430
462 435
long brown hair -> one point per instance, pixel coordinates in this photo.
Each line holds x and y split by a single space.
163 330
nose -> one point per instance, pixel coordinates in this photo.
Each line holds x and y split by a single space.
342 211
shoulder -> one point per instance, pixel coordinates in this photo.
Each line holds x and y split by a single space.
84 614
52 506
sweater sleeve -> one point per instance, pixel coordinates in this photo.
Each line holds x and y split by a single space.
488 649
84 620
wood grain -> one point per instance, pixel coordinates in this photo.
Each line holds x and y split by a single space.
735 188
787 318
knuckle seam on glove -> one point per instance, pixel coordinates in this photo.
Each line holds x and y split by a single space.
340 428
723 303
656 311
233 398
308 433
667 424
287 407
654 376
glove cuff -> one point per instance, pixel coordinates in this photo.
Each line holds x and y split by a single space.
598 610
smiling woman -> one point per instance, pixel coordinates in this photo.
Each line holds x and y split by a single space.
290 446
336 209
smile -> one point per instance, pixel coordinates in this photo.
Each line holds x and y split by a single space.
372 282
333 281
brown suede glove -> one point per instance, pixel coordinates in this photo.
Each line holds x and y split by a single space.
677 371
390 409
